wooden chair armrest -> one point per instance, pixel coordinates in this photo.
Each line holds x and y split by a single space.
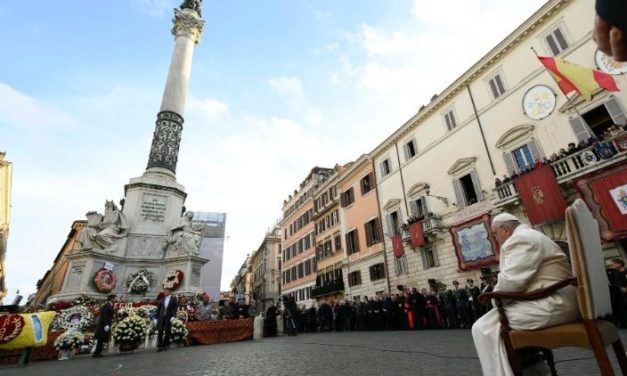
531 295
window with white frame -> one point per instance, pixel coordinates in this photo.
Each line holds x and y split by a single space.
394 223
386 167
401 265
429 257
418 207
449 118
497 87
556 40
467 189
522 157
410 149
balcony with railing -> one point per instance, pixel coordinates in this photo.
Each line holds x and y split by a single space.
330 287
566 169
431 223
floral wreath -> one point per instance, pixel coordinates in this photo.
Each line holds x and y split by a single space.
69 340
140 281
173 279
105 280
77 317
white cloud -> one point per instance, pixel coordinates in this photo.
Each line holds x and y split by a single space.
20 110
378 42
156 8
208 109
291 91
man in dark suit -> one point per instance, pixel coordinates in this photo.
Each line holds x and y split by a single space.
103 327
166 313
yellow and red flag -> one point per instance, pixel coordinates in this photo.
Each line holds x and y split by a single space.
573 77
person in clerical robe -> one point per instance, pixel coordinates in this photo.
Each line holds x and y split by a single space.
529 260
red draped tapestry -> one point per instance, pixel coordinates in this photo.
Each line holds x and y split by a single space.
397 245
605 193
219 331
417 235
541 195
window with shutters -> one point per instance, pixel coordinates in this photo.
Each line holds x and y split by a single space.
301 270
354 278
523 157
418 207
293 271
401 265
352 242
410 149
467 189
373 232
394 223
556 41
338 243
386 167
366 184
449 119
377 272
599 119
497 87
429 257
348 197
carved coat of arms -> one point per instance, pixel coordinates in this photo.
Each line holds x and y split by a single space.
538 195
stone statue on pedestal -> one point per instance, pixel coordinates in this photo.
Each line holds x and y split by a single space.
103 232
185 237
192 4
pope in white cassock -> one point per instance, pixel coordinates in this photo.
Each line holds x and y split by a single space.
529 260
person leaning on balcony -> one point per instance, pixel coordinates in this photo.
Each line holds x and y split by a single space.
529 260
610 26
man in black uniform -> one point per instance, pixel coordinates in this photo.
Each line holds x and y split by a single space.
103 327
461 303
448 299
474 292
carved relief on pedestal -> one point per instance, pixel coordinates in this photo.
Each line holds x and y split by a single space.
103 233
185 237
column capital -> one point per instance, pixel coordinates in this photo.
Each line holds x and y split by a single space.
187 23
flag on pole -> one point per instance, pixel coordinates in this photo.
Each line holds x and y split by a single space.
573 77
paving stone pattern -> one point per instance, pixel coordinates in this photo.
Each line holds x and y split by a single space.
441 352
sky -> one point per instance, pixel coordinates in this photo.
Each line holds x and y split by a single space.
277 87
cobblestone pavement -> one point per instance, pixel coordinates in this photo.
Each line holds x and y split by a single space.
442 352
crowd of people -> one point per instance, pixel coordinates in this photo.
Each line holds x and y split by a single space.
601 147
442 308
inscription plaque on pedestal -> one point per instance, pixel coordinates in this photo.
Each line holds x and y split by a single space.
153 208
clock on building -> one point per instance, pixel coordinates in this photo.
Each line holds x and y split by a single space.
608 65
539 102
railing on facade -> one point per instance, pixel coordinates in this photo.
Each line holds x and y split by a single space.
565 169
430 224
328 288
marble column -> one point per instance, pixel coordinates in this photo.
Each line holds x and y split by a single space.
169 125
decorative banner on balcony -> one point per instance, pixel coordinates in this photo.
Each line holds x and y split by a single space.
541 195
605 193
474 244
416 234
397 245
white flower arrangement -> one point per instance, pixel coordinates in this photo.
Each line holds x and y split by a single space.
77 318
131 329
179 331
69 340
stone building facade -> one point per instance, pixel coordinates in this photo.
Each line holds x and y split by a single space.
497 119
328 238
298 240
265 269
364 267
6 169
